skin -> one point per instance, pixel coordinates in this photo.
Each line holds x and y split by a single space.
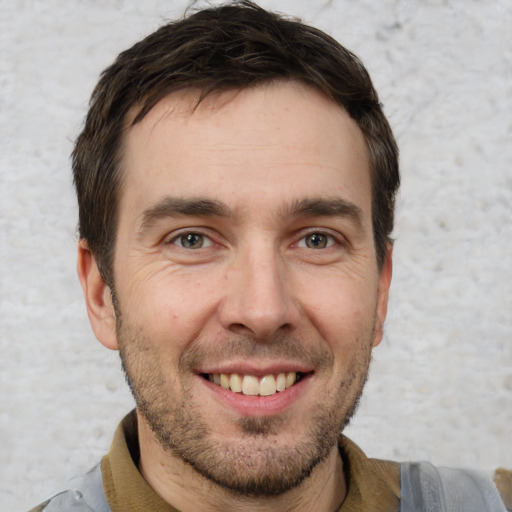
277 166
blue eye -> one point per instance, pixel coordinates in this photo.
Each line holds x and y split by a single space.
192 241
317 241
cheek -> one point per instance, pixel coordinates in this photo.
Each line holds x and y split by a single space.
170 304
341 309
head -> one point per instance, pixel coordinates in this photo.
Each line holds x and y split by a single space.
236 181
235 46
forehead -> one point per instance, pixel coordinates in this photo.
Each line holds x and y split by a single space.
275 141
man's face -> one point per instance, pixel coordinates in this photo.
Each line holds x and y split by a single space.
248 294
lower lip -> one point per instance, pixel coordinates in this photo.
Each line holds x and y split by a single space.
257 406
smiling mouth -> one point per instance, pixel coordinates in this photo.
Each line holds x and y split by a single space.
251 385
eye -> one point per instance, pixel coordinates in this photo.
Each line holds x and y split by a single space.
192 241
317 241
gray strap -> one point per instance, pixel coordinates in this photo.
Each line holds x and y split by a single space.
85 494
426 488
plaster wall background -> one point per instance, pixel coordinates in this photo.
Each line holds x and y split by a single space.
441 382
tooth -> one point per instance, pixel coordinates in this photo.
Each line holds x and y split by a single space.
291 377
250 385
224 380
281 382
267 385
235 383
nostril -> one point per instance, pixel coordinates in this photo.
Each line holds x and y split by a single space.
240 328
260 331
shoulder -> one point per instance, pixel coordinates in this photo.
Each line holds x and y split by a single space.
503 482
443 488
373 485
64 502
84 494
39 508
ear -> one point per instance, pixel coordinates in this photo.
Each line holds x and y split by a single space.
383 295
97 298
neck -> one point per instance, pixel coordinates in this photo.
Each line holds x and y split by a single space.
185 489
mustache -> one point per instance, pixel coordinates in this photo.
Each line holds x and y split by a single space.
290 348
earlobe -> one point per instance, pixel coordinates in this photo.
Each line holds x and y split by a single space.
97 297
383 295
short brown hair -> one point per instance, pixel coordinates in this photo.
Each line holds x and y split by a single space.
233 46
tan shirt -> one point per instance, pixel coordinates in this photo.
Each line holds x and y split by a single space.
373 485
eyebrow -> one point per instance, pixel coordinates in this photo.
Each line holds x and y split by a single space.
316 207
177 206
198 207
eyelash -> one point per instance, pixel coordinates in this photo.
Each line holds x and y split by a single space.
181 236
331 240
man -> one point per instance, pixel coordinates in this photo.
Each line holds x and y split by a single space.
236 180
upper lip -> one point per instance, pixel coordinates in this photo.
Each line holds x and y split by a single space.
254 368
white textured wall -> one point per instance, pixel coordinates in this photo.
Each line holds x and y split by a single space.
441 384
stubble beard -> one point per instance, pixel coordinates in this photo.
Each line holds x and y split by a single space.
256 464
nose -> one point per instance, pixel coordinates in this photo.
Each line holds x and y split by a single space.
258 299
